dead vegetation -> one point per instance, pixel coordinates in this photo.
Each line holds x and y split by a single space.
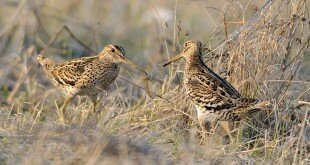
261 47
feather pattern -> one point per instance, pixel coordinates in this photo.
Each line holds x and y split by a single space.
214 98
88 75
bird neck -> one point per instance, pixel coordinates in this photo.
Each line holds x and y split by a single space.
104 57
107 60
194 62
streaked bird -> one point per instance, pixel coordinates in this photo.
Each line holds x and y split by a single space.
87 75
214 98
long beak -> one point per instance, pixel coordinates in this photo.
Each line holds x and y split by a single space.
175 58
125 60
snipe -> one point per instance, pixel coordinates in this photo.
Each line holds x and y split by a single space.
87 75
214 98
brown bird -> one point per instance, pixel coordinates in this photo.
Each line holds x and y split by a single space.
87 75
214 98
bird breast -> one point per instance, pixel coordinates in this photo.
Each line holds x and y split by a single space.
100 79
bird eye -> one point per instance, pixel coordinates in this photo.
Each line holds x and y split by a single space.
112 50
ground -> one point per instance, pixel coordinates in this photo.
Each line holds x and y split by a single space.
261 47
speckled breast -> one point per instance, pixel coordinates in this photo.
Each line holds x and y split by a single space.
103 78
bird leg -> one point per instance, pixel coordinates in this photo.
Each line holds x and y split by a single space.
227 128
210 126
208 122
207 130
94 100
61 113
207 126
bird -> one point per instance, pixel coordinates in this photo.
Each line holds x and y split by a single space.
87 76
214 98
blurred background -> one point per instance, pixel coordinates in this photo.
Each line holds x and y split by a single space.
150 31
260 46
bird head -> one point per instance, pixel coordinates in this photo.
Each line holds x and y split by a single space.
116 54
191 47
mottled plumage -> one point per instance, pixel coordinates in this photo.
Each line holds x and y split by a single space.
214 98
88 75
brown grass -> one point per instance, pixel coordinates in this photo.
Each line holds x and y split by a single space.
262 48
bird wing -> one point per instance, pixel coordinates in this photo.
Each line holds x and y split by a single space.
210 91
71 71
218 84
227 97
221 83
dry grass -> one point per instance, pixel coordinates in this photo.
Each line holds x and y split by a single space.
261 47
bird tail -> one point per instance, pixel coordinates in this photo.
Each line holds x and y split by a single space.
260 106
45 62
243 112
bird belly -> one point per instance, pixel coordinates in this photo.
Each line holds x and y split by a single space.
100 84
69 90
210 106
205 116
